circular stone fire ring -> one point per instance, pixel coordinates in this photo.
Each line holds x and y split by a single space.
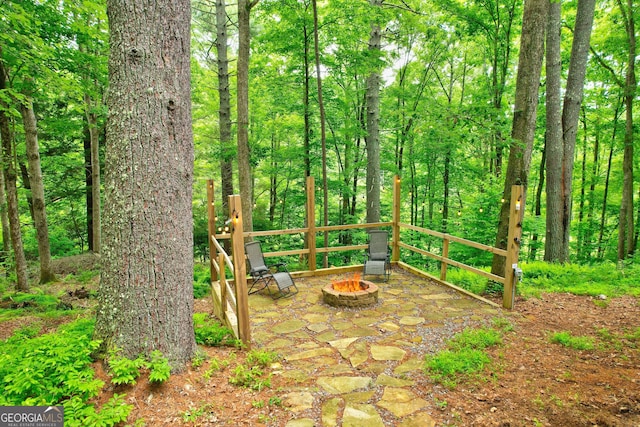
366 296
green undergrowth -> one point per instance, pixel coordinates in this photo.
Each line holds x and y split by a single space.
602 279
201 281
36 303
55 369
464 356
210 332
253 373
540 277
600 339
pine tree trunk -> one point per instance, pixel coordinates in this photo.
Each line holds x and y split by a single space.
524 115
146 288
37 190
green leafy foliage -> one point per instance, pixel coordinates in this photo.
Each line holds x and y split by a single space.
261 358
159 367
54 369
606 279
201 281
124 370
208 331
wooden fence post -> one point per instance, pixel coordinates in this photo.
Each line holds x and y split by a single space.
311 222
445 254
240 270
514 236
395 233
211 227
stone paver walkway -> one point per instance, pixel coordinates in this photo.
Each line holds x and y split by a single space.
362 367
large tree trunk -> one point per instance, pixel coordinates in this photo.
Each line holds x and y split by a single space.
224 114
244 153
524 114
373 122
625 230
146 288
571 111
92 123
553 136
37 190
561 135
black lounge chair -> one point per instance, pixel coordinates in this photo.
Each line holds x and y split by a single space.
264 275
378 257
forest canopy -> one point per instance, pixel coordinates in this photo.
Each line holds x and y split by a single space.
446 82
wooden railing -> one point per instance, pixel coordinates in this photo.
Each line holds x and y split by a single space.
237 236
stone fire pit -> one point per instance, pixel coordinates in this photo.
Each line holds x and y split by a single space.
367 295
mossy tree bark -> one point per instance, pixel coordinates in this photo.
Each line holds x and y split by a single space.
146 289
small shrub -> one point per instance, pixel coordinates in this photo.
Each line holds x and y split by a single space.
159 367
124 370
261 358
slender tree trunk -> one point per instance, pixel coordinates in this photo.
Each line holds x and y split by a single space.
524 114
37 190
4 217
580 248
88 188
373 122
538 203
323 137
9 172
603 212
146 287
92 122
224 113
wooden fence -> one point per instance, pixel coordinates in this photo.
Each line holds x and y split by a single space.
230 302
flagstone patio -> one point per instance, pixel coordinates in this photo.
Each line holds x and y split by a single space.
362 366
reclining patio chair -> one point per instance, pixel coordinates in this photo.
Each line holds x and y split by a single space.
264 275
378 257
